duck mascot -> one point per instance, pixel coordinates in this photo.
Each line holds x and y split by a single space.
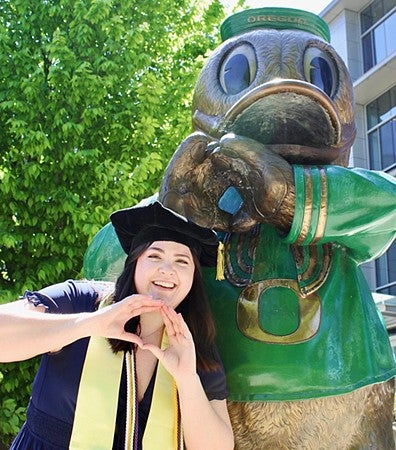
307 356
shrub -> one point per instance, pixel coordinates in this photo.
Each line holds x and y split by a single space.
15 384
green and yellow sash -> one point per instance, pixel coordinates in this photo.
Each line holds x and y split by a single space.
96 408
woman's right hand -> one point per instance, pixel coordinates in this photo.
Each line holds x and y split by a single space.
25 333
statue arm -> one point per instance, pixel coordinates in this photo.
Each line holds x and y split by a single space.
355 208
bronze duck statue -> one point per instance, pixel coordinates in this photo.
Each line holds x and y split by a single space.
273 114
307 357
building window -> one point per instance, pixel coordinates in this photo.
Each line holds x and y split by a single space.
385 268
378 24
381 125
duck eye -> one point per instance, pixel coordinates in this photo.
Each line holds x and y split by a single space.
320 70
238 69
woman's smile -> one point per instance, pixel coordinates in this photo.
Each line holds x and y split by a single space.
165 270
164 284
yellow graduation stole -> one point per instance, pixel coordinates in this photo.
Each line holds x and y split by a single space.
96 408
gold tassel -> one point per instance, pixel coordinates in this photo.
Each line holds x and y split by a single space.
220 262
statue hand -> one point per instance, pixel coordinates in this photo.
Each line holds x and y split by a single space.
192 185
262 178
229 185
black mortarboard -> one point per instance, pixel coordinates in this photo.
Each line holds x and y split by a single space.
155 222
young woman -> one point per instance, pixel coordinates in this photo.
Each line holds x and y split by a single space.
136 368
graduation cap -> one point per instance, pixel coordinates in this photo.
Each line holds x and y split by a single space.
154 222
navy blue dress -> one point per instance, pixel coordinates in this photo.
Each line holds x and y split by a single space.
50 412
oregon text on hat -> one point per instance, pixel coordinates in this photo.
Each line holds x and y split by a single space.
276 18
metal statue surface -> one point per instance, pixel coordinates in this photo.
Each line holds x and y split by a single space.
307 356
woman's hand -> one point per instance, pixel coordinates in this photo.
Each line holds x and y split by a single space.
25 333
111 319
206 424
179 358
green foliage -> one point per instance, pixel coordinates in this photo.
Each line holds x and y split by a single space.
94 99
15 382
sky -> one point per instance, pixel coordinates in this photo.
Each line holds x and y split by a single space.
314 6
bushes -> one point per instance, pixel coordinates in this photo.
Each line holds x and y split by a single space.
15 383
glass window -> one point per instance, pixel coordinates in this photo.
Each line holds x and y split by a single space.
366 19
387 143
379 42
389 31
374 12
385 267
375 156
381 109
382 146
378 23
381 126
368 52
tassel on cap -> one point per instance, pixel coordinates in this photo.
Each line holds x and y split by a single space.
220 262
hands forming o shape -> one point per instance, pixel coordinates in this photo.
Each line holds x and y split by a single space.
179 357
114 317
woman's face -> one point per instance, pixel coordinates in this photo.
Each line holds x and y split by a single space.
165 270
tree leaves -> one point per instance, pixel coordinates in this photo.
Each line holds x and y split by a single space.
94 99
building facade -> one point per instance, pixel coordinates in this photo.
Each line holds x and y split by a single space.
363 33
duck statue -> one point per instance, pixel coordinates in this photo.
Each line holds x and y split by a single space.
307 356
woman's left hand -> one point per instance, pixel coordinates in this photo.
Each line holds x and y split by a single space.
179 357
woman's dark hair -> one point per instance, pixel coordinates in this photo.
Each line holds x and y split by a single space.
195 310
